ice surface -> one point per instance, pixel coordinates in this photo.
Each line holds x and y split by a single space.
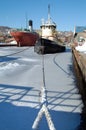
21 79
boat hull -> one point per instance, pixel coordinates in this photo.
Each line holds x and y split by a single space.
25 38
46 46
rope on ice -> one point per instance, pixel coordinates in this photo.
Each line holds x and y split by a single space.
38 119
44 109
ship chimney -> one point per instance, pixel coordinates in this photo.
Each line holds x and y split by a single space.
30 25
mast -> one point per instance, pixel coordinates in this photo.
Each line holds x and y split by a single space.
74 30
49 13
26 20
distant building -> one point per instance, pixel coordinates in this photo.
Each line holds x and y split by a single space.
1 39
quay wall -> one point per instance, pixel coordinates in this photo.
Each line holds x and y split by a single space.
81 61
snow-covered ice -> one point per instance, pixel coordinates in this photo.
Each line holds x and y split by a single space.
21 80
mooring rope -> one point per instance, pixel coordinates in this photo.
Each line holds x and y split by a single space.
43 70
43 110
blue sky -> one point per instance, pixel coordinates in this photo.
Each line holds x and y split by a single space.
65 13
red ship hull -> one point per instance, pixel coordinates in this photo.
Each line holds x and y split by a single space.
25 38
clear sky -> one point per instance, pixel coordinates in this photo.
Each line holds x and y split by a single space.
65 13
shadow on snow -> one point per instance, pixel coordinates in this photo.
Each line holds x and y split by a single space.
15 116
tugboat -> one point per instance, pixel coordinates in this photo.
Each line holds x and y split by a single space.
48 43
27 37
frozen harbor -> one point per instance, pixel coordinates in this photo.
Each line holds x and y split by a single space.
20 84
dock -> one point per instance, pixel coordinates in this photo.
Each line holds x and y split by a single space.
81 61
7 44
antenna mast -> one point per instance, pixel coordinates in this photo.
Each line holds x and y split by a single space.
49 12
26 21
